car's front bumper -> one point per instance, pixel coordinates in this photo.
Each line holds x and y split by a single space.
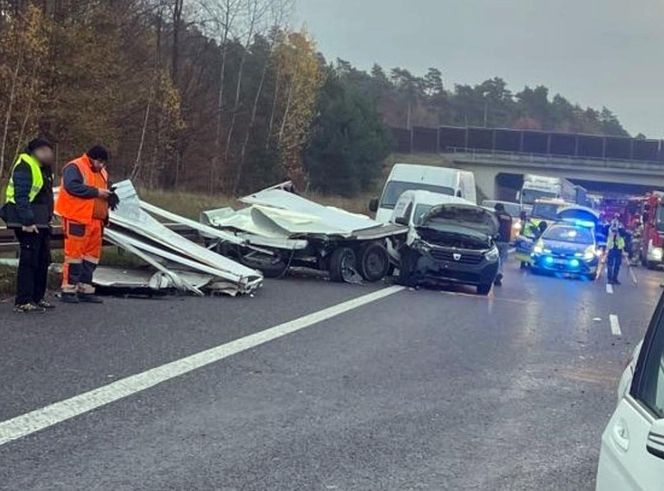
561 264
431 269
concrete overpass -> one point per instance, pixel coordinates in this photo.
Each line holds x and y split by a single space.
493 170
499 157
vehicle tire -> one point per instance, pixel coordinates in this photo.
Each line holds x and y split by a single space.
269 266
535 270
342 264
591 276
407 268
373 263
651 265
484 288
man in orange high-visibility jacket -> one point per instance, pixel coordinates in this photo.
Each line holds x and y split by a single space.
83 203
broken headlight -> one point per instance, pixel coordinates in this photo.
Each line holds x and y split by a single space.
422 246
492 254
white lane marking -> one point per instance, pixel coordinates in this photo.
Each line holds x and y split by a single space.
55 413
609 288
635 281
615 325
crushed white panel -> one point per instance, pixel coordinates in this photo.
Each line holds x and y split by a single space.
276 218
131 225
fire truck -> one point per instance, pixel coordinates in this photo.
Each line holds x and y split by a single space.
652 237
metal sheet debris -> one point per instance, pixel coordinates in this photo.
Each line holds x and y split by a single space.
280 215
176 258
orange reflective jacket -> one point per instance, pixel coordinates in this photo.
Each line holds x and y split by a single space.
83 210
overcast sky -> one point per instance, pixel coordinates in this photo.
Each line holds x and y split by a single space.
594 52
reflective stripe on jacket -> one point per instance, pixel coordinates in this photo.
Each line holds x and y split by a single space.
37 178
615 242
76 208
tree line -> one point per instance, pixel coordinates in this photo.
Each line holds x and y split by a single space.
225 96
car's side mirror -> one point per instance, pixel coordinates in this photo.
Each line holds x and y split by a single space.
373 204
401 221
655 442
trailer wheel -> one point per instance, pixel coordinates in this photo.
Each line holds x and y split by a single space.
342 264
373 263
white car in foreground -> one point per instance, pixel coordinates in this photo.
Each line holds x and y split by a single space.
632 454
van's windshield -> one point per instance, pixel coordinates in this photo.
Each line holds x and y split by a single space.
394 189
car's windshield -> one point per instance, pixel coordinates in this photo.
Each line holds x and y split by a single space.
564 233
394 189
528 196
420 211
546 211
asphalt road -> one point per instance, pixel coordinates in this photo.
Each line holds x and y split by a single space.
422 389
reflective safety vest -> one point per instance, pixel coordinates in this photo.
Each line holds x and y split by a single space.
72 207
618 242
37 178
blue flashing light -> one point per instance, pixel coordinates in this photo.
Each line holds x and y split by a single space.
580 223
548 260
574 263
584 223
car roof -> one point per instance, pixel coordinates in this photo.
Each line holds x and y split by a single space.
431 198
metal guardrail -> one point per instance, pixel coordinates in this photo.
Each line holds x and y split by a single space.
8 241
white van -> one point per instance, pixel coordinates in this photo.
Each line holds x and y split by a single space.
411 177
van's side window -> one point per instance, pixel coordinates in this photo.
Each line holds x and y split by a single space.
650 389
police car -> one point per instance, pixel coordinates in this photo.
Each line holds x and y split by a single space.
567 247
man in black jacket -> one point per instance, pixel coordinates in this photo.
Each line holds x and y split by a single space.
28 211
503 239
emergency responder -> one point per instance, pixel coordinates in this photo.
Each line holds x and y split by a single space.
615 245
83 202
524 242
503 240
28 210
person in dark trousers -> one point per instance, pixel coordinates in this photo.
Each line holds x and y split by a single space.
503 239
28 210
615 245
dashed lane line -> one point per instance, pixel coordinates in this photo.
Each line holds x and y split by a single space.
615 325
39 419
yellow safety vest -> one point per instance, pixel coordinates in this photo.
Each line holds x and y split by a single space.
619 242
37 178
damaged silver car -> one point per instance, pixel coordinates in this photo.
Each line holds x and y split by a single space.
450 240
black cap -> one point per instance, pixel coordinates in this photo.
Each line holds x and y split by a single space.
37 143
98 153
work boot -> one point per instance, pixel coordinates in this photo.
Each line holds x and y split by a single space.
45 305
616 282
89 298
69 298
29 308
499 280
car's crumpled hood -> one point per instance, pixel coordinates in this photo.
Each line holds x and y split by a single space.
457 216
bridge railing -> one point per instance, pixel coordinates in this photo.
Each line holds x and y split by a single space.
530 142
475 154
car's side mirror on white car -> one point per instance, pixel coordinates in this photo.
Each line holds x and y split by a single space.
655 444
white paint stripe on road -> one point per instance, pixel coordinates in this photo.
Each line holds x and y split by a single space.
55 413
615 325
635 281
609 288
